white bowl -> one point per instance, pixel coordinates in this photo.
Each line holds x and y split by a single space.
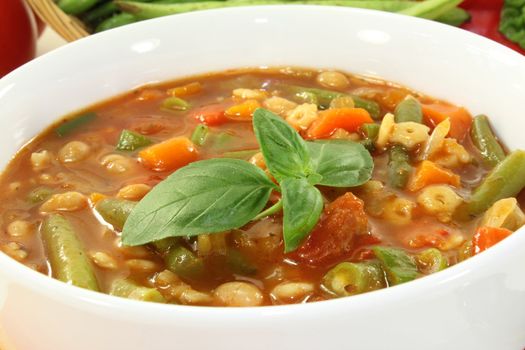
478 304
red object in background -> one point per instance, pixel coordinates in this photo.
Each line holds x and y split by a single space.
17 35
485 21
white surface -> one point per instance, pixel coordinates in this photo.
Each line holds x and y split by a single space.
48 41
478 304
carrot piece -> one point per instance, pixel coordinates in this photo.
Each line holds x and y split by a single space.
243 111
460 119
485 237
211 115
185 90
349 119
169 155
429 173
95 197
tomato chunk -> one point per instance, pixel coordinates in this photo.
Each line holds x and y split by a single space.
333 236
210 115
486 237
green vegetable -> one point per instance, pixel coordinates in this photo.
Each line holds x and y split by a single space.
485 141
409 110
223 141
117 20
217 195
39 194
184 263
175 104
507 179
130 141
431 261
347 278
398 265
66 254
127 288
101 12
431 9
341 163
512 23
370 131
302 207
207 196
306 97
199 134
454 17
239 264
247 154
75 7
68 126
115 211
399 168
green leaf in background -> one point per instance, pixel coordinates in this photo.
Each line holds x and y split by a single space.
204 197
512 23
302 207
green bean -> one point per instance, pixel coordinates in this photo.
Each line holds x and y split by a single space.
200 134
370 132
76 7
163 245
507 179
399 168
306 97
117 20
184 263
454 17
409 110
130 141
431 261
239 264
348 278
398 265
100 13
431 9
127 288
371 106
175 104
485 141
247 154
115 211
39 194
65 252
68 126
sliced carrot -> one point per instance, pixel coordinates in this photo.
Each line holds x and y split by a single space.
429 173
486 237
95 197
185 90
243 111
460 119
169 155
349 119
211 115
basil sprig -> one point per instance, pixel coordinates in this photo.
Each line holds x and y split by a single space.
221 194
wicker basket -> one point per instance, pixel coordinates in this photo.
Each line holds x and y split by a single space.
68 27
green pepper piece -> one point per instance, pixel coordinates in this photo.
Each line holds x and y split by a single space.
200 134
398 265
409 110
127 288
175 104
399 168
69 125
485 141
431 261
184 263
348 278
115 211
130 141
239 264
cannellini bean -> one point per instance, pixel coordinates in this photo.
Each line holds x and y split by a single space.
19 228
41 160
302 116
15 250
440 201
398 211
141 265
333 79
191 296
451 154
74 151
133 192
505 213
175 289
238 294
68 201
103 260
290 292
116 164
385 131
250 94
409 134
279 105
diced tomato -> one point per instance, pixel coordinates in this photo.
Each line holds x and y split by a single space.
211 115
486 237
333 237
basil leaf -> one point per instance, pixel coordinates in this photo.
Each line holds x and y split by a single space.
284 150
208 196
302 207
341 163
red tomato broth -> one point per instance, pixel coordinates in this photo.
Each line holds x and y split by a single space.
261 245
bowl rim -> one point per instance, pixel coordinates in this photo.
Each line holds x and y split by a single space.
87 300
